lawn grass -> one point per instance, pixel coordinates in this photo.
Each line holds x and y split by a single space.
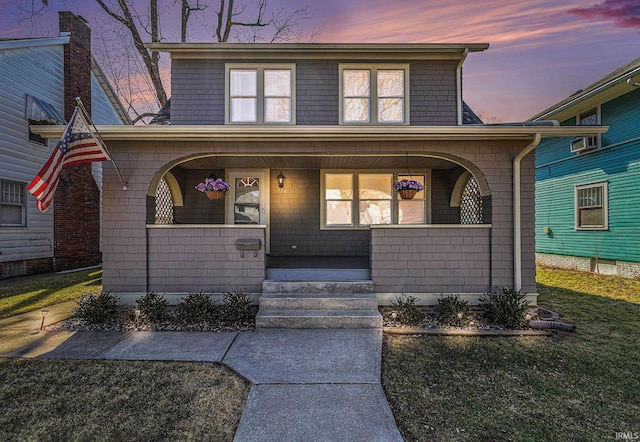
30 293
60 400
583 386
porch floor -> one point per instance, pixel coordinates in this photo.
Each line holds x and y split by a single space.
317 262
318 268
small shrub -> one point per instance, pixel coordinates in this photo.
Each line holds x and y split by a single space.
97 309
506 308
153 307
408 312
196 308
237 308
453 310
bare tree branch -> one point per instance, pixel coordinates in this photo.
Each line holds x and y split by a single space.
150 58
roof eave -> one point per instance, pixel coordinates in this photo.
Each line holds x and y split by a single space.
327 133
606 89
352 51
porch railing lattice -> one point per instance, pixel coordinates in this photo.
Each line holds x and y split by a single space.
164 204
471 204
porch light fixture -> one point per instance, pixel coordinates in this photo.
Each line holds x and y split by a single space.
281 180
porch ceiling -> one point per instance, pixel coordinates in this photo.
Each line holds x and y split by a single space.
317 162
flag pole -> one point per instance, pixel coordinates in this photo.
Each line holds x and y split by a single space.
87 117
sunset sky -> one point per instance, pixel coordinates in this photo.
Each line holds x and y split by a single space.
540 51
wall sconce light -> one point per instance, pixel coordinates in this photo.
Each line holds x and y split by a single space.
281 180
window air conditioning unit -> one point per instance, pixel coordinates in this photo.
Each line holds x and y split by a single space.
581 144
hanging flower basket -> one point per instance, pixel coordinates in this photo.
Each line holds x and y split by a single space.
215 194
215 188
407 188
407 194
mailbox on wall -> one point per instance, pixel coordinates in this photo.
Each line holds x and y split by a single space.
248 243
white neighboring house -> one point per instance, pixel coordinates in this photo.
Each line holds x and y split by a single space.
32 91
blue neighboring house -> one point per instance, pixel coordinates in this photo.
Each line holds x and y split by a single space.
587 200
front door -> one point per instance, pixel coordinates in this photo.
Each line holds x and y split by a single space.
249 202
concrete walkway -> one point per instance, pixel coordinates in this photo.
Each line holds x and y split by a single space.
320 385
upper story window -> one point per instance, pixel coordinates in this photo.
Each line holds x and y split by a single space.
374 94
260 94
588 118
12 204
591 210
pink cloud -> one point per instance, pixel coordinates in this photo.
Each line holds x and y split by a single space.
624 13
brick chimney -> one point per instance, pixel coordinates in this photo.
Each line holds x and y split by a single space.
76 215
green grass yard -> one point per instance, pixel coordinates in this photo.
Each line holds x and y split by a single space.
575 387
66 400
21 295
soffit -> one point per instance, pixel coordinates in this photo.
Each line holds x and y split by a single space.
397 163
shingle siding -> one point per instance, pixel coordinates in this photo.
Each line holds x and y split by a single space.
317 93
433 92
198 92
197 88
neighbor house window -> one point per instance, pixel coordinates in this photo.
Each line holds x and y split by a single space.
590 118
374 94
362 199
260 94
591 206
12 204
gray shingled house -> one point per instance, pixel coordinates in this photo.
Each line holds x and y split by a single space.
311 139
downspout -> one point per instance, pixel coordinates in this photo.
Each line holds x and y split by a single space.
517 215
460 109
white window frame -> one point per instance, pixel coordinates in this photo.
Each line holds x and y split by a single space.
23 205
355 200
596 110
260 104
603 185
373 92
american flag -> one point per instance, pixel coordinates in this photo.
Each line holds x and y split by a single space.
77 145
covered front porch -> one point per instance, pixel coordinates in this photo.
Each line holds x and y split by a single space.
321 218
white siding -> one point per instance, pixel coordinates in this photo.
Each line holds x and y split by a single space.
37 71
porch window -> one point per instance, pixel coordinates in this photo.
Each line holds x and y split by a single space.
260 94
12 204
374 94
591 206
361 199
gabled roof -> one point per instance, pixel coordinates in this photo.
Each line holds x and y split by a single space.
606 89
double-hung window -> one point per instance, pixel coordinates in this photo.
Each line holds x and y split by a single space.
590 118
260 94
374 94
12 204
353 199
591 207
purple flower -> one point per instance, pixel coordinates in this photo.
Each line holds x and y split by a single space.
407 184
213 184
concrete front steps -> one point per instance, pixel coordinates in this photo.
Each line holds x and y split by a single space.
318 304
